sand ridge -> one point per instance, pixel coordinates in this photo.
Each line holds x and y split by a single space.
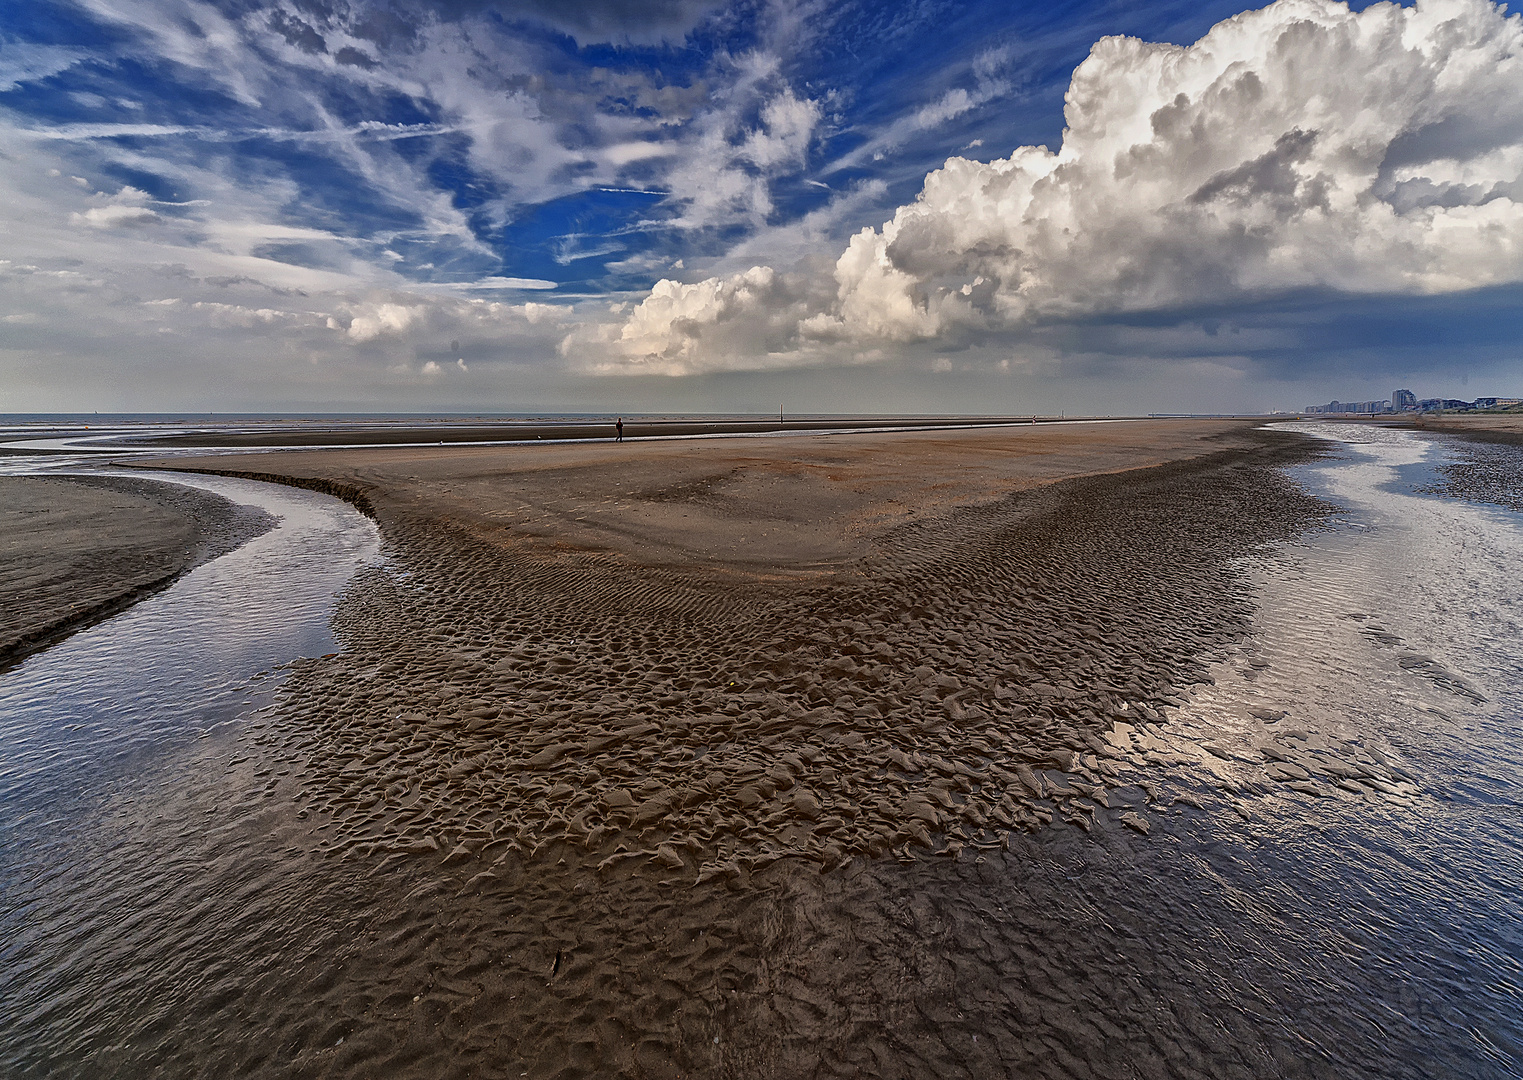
505 699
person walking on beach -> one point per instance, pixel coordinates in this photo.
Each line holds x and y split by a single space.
618 429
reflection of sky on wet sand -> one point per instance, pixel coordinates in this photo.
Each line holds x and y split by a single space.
94 729
120 693
1365 734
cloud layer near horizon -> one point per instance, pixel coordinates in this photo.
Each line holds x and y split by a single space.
1301 146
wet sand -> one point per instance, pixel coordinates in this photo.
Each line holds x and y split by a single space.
1487 469
949 820
1494 427
620 796
901 660
75 550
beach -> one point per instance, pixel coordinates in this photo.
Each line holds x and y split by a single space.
1043 751
616 780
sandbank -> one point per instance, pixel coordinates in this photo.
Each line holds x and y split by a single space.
706 656
77 549
761 505
725 758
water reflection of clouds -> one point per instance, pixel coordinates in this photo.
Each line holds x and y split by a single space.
1364 733
154 675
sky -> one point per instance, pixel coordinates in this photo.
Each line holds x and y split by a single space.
986 206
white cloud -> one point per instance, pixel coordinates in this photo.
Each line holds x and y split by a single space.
83 132
1303 145
1258 159
726 169
488 283
127 208
621 154
241 317
115 216
21 63
787 124
383 320
822 228
987 72
194 36
710 325
537 313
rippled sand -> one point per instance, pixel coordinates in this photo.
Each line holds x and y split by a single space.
595 789
961 681
573 809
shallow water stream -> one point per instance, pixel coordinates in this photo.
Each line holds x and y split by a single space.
1360 752
92 721
77 717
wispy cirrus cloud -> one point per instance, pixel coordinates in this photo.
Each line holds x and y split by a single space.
24 62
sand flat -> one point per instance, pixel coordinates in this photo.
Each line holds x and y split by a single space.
705 656
778 504
600 797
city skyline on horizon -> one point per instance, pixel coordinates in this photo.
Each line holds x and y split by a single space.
1406 400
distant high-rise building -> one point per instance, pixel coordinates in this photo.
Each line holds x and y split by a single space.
1403 399
1335 407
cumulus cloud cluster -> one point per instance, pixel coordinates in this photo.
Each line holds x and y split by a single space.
382 320
684 329
1304 145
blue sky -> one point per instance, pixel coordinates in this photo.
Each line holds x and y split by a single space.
619 204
